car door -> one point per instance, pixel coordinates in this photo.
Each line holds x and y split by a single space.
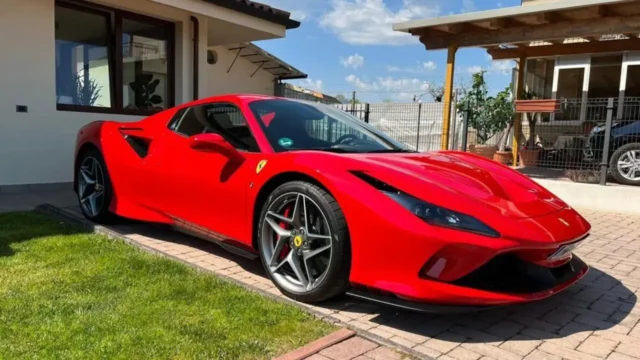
208 189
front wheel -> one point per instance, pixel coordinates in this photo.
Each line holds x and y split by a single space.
304 242
625 164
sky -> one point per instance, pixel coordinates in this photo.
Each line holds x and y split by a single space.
349 45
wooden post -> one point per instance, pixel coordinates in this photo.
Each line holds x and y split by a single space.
448 91
517 125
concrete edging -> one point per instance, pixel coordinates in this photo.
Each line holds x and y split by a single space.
609 198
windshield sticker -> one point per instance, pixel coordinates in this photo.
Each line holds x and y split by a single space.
285 142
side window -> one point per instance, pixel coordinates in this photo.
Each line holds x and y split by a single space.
228 121
224 119
191 122
175 120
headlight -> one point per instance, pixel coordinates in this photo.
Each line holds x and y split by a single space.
439 216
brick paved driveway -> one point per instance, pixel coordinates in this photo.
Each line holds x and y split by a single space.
596 319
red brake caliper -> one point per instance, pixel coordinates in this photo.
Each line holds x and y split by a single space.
285 248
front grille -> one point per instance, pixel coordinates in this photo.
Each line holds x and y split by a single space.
510 274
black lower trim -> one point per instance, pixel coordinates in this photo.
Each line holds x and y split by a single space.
510 274
423 307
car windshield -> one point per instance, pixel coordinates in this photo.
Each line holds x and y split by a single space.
293 125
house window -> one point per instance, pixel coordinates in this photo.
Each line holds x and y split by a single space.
112 61
83 71
604 79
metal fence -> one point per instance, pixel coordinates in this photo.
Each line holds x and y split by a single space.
593 141
417 125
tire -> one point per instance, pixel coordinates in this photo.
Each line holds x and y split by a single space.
622 153
334 281
98 209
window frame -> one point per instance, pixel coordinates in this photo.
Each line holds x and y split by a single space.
176 120
114 19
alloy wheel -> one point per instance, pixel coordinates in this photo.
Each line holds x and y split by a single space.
91 186
629 165
296 242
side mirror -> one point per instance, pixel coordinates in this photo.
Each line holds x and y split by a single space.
213 143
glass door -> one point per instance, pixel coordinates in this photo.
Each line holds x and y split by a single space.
571 87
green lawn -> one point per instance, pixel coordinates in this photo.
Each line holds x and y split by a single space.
65 293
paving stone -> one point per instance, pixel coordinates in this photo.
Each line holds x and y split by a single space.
632 350
383 353
491 351
445 342
349 349
429 352
619 356
461 353
521 345
505 329
597 346
541 355
565 352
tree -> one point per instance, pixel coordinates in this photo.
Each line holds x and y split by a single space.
342 99
532 118
486 114
502 107
436 91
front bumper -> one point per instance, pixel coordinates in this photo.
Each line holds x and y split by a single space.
501 278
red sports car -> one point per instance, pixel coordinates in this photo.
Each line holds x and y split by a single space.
332 205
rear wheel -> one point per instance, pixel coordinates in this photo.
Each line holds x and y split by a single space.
625 164
304 243
94 187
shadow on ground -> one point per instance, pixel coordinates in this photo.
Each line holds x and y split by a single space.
18 227
598 301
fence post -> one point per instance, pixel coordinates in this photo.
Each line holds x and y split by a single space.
418 133
604 165
465 127
366 113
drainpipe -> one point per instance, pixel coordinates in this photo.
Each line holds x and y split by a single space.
196 55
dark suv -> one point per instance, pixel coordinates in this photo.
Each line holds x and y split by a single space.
624 150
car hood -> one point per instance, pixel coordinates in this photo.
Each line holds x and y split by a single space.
463 182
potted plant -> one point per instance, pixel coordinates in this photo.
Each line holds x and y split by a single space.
530 152
502 108
481 115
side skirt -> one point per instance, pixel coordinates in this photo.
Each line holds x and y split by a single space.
229 245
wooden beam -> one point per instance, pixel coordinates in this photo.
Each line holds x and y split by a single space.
501 23
448 92
561 30
547 18
517 125
566 49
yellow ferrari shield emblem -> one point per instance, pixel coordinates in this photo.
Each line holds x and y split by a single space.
260 166
297 241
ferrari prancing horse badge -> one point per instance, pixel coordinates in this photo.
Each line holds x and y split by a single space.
261 165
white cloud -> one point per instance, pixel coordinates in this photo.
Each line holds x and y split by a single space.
429 65
468 6
500 67
474 69
388 83
354 61
310 84
369 22
419 68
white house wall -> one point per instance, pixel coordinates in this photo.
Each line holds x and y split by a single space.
238 79
38 146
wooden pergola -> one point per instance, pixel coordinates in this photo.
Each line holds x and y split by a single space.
551 28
